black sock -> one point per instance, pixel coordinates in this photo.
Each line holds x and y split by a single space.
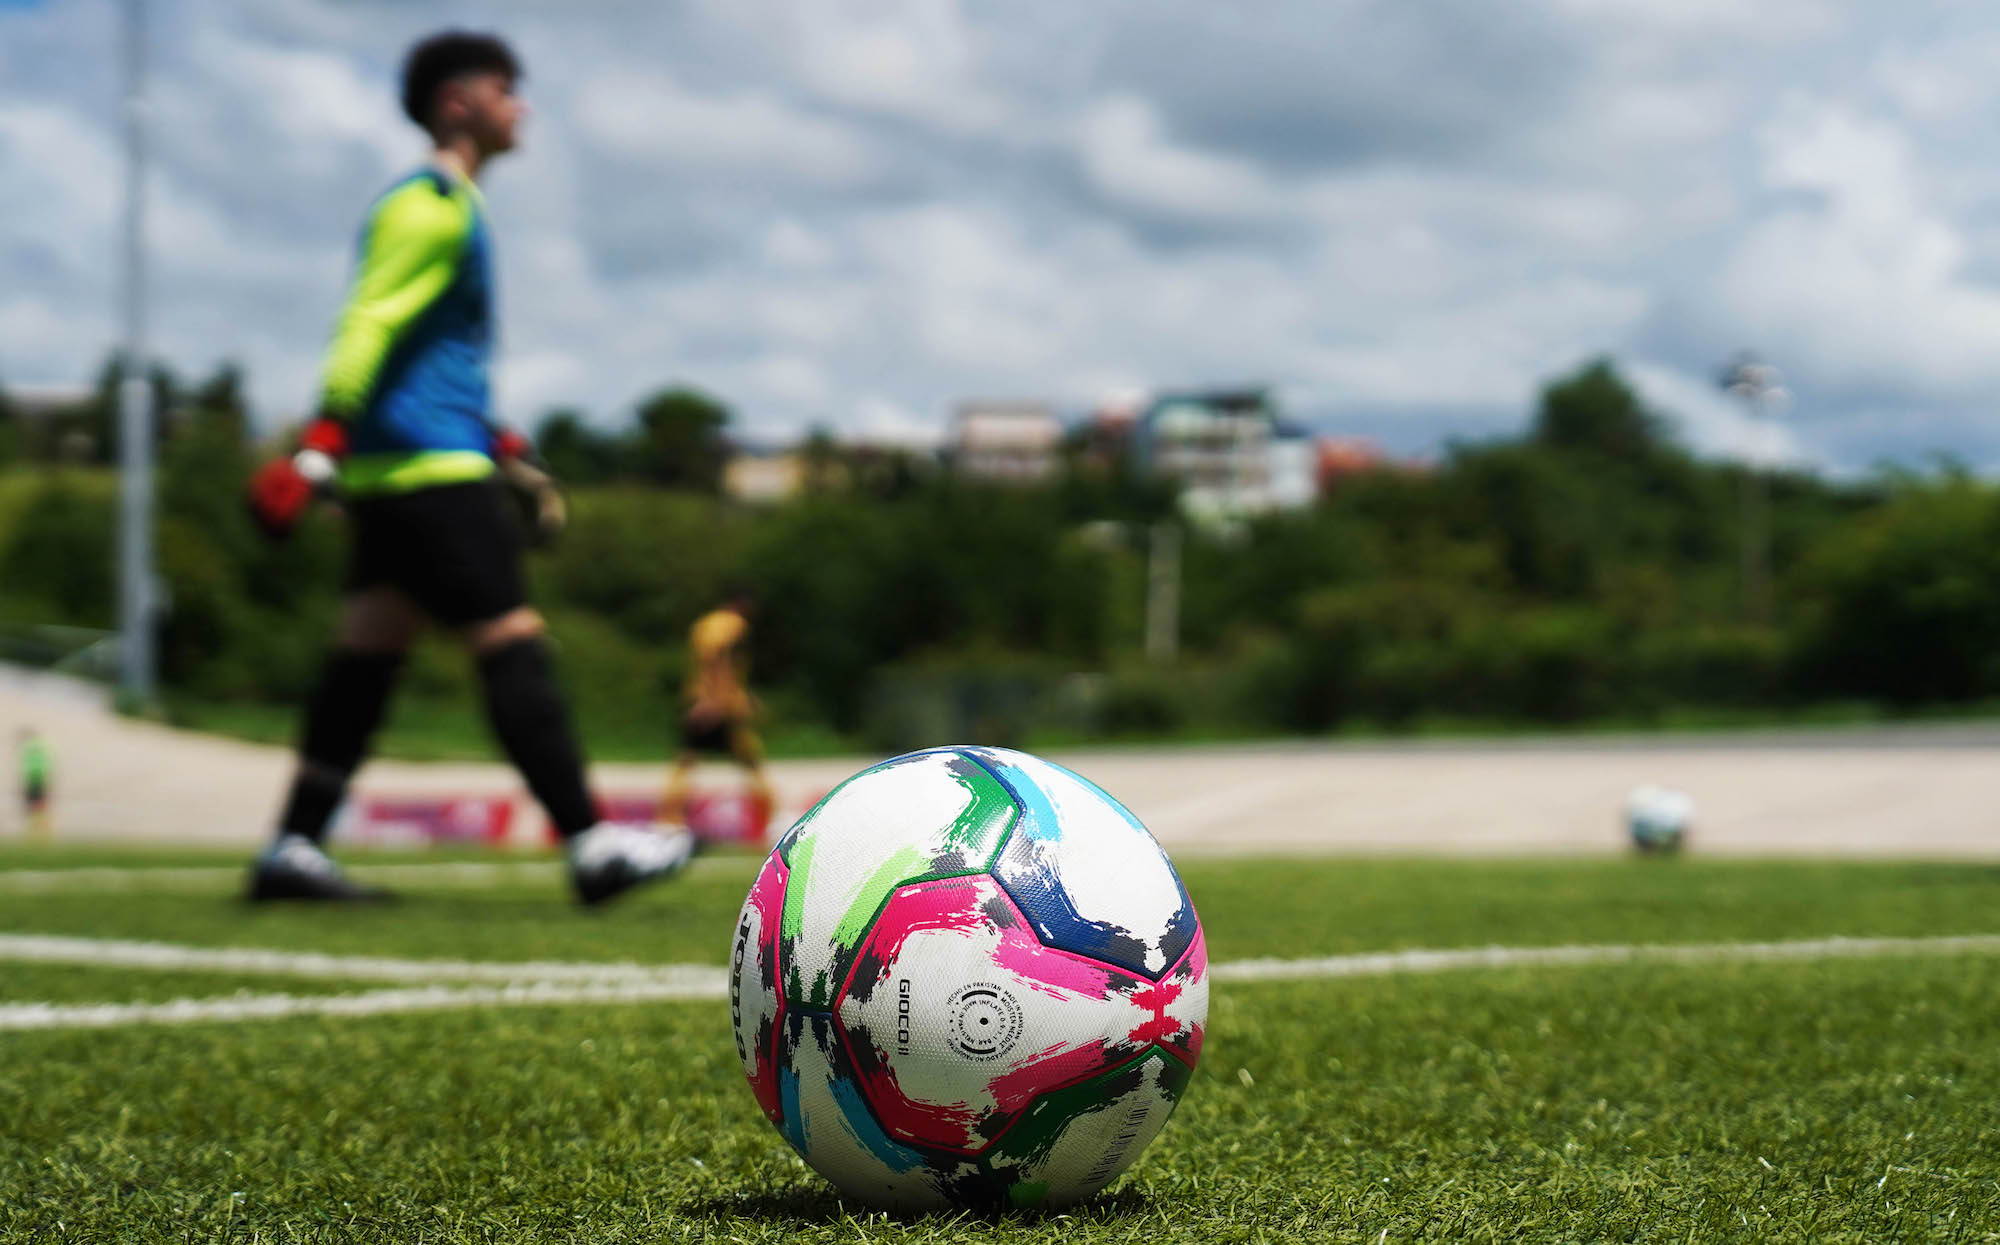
341 718
532 720
315 795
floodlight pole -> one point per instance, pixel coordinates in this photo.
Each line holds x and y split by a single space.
1758 384
135 397
1756 544
1163 592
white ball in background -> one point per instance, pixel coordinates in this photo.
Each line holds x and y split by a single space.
1658 818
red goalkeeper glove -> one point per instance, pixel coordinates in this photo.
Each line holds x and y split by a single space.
280 491
508 444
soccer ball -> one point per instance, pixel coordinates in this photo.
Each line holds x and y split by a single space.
1657 818
968 978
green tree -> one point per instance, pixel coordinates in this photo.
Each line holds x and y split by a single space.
1905 601
824 467
1595 410
217 406
60 553
577 453
10 430
837 599
680 440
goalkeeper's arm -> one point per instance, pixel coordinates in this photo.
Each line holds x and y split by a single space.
531 482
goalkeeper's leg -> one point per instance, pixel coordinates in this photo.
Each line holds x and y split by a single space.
531 718
376 628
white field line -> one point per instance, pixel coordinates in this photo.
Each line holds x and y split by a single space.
201 878
372 1003
1390 963
625 983
172 878
169 957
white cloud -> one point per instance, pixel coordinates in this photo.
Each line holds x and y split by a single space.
1712 422
790 244
862 210
884 421
1487 352
1127 157
1769 21
537 380
795 379
977 296
312 106
648 117
54 197
1857 278
912 60
1940 89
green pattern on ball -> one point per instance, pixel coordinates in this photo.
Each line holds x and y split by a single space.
969 843
1029 1142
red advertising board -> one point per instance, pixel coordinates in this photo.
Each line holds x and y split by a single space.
731 818
429 819
736 818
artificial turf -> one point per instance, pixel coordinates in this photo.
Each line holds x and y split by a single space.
73 984
1806 1100
1249 907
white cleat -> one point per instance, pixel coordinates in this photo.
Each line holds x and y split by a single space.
294 867
612 857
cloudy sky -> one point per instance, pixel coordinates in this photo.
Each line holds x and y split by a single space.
1404 216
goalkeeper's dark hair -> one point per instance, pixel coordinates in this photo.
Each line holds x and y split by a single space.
446 55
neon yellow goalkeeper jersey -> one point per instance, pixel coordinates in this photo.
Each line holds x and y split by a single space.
407 370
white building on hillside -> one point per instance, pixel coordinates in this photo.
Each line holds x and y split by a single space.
1230 452
1012 442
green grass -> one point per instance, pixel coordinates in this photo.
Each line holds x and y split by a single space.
1254 907
429 728
424 728
69 983
1847 1100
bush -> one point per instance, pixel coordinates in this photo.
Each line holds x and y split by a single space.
1904 603
651 562
1720 665
1587 571
1148 701
1549 664
63 551
994 698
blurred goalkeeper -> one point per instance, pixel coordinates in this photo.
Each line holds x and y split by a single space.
404 436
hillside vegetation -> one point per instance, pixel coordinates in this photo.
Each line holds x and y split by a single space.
1587 572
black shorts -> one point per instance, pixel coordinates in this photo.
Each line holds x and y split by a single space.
35 795
716 736
455 549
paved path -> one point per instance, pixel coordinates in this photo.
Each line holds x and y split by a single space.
1878 792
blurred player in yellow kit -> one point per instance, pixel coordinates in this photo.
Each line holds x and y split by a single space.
717 706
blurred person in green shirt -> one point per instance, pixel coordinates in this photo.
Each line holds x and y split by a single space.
37 770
